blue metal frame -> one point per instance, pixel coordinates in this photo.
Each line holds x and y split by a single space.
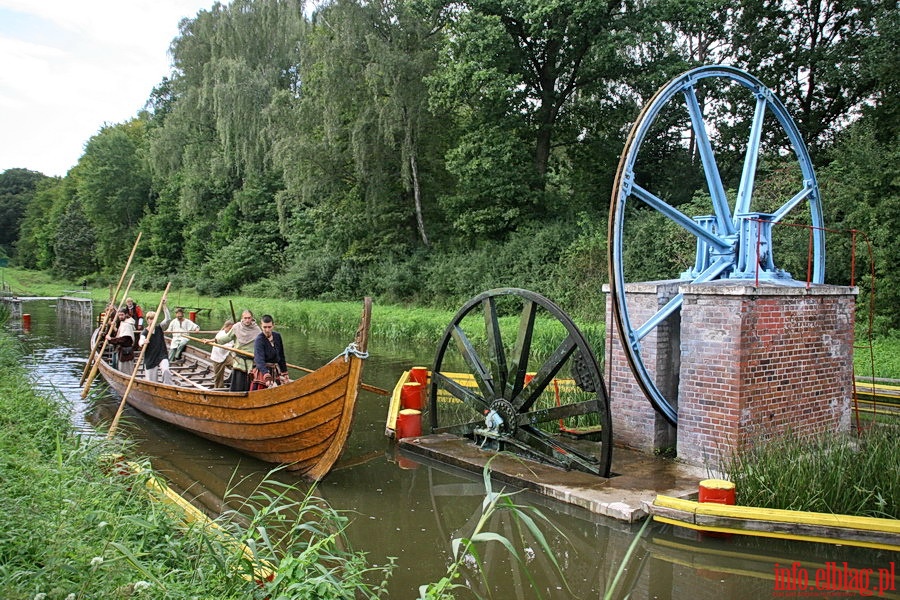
729 242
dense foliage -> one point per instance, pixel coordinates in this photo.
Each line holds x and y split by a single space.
422 151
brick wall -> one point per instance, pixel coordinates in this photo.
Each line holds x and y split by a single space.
635 423
757 362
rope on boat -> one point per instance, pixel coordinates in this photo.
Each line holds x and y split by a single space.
352 349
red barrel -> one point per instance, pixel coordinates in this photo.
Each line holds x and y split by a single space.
409 424
411 395
26 321
420 375
192 315
718 491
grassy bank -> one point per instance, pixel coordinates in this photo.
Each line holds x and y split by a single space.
391 324
839 474
74 526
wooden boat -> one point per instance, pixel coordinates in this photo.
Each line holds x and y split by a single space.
303 425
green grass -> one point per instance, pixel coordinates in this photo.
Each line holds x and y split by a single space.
839 474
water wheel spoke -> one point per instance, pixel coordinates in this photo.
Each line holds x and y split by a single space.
557 452
556 413
496 353
799 197
661 315
751 159
710 168
483 377
460 429
519 358
545 374
458 391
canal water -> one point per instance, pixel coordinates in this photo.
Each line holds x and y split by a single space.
412 511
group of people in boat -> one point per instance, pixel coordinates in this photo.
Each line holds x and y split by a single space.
253 352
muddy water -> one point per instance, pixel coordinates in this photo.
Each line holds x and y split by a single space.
412 511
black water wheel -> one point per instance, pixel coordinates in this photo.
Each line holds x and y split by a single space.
553 402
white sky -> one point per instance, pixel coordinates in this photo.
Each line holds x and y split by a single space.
67 67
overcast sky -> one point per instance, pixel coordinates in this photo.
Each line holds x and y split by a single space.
69 66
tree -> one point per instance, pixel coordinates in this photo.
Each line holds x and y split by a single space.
530 74
113 188
73 246
35 248
17 187
811 54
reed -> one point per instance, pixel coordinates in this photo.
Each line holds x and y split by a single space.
840 474
466 550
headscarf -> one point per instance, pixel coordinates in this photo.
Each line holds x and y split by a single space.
245 334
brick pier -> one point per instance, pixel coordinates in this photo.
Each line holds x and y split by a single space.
749 363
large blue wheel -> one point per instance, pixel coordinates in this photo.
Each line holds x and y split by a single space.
733 237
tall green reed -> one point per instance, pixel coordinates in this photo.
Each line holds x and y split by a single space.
466 549
841 474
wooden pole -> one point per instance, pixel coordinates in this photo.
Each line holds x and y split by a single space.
94 358
364 386
112 300
137 364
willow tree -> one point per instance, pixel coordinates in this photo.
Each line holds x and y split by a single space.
214 136
352 146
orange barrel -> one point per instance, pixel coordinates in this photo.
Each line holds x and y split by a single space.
193 316
411 396
26 321
420 374
717 490
409 424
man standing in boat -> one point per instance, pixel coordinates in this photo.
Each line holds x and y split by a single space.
220 355
244 335
268 355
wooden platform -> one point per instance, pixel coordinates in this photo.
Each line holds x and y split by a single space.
626 496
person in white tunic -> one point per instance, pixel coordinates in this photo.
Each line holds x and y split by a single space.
221 357
179 327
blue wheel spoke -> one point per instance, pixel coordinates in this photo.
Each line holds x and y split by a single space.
654 321
751 159
801 196
678 217
710 168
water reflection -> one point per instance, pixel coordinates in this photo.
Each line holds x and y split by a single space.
412 509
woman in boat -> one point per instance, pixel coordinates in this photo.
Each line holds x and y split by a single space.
243 334
123 339
268 356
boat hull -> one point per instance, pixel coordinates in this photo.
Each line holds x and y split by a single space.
303 425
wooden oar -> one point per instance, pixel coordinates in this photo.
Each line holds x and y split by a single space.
365 386
137 364
93 373
112 300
